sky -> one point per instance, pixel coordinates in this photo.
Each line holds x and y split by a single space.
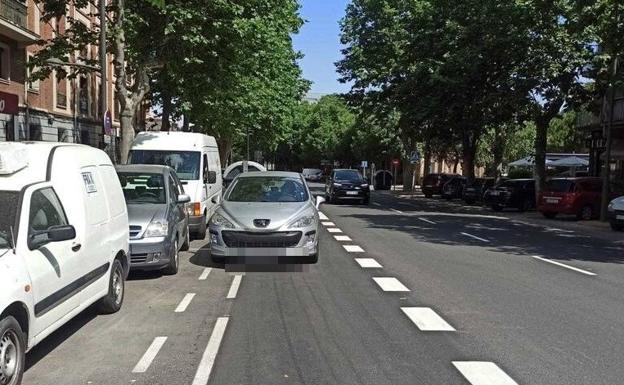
319 41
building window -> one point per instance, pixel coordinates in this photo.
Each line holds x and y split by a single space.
33 85
83 96
61 93
34 132
85 137
5 61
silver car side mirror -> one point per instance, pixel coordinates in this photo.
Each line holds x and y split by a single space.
319 201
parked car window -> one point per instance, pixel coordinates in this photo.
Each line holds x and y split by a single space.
559 185
173 190
45 211
143 187
267 189
8 215
185 163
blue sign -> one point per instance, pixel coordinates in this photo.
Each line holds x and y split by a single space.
414 157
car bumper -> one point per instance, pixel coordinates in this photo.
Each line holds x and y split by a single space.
195 222
616 217
559 209
150 253
356 194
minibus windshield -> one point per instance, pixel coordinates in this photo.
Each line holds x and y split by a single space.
185 163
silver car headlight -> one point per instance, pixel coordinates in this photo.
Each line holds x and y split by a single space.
219 220
301 222
158 228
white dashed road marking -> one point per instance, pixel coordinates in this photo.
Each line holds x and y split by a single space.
234 288
390 284
397 211
334 230
322 216
427 221
368 263
353 248
185 302
427 320
475 237
564 265
342 238
210 354
145 361
205 273
328 223
483 373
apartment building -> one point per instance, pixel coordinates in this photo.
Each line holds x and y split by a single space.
53 109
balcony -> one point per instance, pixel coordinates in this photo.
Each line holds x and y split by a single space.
14 21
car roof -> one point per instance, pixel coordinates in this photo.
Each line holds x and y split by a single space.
283 174
148 168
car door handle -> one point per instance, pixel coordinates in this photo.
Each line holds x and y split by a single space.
76 246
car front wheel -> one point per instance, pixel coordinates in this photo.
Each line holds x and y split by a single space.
114 299
586 213
12 351
174 260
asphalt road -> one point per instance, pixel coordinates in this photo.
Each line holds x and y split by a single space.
487 299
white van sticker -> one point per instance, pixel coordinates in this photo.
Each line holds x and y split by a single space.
87 178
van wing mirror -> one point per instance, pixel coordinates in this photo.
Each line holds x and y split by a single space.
183 198
53 234
215 200
210 177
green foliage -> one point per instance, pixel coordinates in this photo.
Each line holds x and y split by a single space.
520 173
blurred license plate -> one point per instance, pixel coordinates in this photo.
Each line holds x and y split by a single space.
552 200
619 217
352 193
495 193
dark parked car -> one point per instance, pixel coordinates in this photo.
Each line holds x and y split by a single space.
616 213
513 193
475 191
454 188
574 196
383 180
347 184
432 183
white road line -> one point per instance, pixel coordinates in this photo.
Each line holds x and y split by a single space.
145 361
328 223
235 285
377 204
205 273
353 248
483 373
390 284
334 230
185 302
564 265
397 211
322 216
475 237
427 320
342 238
210 354
368 263
427 221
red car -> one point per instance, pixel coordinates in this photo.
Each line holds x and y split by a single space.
574 196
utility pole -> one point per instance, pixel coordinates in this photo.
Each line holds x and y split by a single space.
103 77
606 171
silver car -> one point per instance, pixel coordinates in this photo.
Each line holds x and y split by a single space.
267 217
159 225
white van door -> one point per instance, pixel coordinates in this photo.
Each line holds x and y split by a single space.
54 267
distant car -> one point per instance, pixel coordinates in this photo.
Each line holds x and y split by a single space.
269 216
383 180
347 184
454 188
615 213
475 191
512 193
159 222
432 183
312 174
236 168
574 196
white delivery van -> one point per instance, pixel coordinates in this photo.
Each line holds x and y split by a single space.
63 242
195 158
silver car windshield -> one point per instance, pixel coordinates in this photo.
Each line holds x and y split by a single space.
267 189
143 187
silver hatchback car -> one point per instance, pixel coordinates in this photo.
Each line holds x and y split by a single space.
268 217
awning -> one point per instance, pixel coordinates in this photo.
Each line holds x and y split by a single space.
571 161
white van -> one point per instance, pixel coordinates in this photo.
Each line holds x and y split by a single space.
195 158
63 242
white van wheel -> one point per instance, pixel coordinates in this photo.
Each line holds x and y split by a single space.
201 233
12 352
116 289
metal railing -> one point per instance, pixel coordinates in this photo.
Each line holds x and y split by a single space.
14 11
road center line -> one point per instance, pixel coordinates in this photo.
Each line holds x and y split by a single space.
427 320
334 230
353 248
235 285
328 223
564 265
475 237
397 211
390 284
205 273
368 263
483 373
210 354
145 361
322 216
342 238
185 302
427 221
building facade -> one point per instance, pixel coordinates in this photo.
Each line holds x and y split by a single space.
54 109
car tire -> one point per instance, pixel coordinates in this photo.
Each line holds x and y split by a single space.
616 226
201 233
12 351
218 260
187 241
549 214
113 300
174 261
585 213
497 207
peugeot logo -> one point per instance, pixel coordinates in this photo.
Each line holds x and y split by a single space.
261 222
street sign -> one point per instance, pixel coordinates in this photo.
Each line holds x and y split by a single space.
364 164
108 123
414 157
395 162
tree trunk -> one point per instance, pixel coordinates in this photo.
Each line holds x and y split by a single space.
408 172
127 133
166 113
541 141
469 152
225 149
495 168
427 160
